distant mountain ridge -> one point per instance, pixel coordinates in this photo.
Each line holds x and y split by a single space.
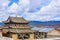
39 23
1 23
44 23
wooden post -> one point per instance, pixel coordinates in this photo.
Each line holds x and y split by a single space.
14 36
0 34
31 37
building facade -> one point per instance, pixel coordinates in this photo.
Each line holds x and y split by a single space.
17 28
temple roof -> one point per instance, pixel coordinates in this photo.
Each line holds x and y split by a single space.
18 30
16 20
14 27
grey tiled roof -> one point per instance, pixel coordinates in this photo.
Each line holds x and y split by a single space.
42 29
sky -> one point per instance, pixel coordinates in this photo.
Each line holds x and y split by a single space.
39 10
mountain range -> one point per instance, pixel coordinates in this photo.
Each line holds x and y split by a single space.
44 23
1 23
39 23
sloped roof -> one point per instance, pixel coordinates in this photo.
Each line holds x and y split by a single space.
20 27
16 20
58 28
49 26
18 30
42 29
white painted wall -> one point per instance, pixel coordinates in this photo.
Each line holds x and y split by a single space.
5 38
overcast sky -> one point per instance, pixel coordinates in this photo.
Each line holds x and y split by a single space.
40 10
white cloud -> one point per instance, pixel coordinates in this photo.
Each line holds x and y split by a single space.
13 8
46 13
5 11
20 8
36 5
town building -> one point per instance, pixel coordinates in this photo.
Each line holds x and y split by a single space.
18 28
47 32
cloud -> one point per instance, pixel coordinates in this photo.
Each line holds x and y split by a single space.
13 9
47 13
40 10
3 9
36 5
20 8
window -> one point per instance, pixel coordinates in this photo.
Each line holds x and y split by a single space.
23 36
